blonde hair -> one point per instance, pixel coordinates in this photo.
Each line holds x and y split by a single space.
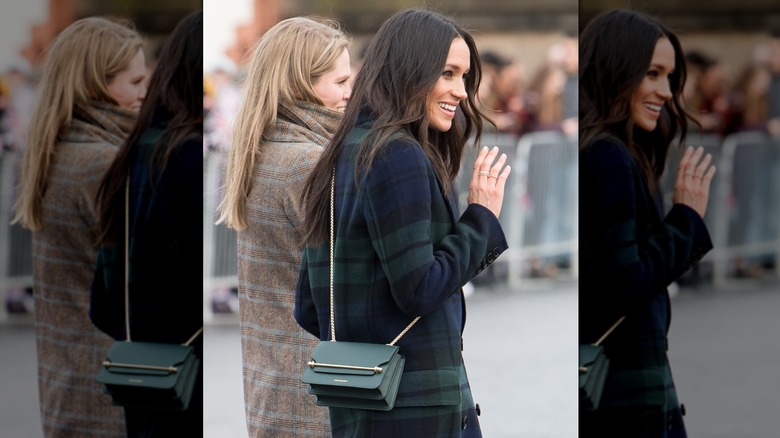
285 64
81 62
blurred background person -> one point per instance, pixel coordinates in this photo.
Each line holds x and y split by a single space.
707 93
295 92
773 62
545 98
749 97
501 93
91 89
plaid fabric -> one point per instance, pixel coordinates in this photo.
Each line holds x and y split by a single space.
274 347
629 255
166 262
70 348
401 252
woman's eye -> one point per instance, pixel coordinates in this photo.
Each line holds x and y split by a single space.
652 74
447 74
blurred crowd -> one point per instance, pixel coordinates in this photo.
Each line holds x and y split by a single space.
751 101
545 100
17 99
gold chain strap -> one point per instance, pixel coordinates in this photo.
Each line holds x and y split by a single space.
127 257
127 267
332 313
611 329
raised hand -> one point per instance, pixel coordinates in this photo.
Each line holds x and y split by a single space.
488 180
692 186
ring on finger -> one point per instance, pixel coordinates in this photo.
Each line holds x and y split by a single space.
689 173
484 173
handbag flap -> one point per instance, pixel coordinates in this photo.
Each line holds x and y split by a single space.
150 354
589 354
351 354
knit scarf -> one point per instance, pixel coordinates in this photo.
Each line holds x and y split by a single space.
100 122
305 122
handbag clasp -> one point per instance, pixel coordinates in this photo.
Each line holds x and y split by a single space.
109 364
313 364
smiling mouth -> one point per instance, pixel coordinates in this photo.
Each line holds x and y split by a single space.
448 109
653 107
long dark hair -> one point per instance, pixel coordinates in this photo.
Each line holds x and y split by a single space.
401 66
616 49
176 87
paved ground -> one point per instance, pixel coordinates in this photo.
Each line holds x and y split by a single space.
19 417
725 355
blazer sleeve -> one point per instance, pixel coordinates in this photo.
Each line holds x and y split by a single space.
403 204
629 259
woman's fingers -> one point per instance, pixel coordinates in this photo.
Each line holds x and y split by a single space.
683 167
707 178
489 179
502 177
488 161
694 159
478 164
701 169
496 169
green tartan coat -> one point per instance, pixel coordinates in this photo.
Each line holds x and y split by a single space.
401 251
629 254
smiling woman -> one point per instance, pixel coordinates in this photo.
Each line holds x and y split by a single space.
654 91
450 87
632 75
401 249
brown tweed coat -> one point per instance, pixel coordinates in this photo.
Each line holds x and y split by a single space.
70 348
274 347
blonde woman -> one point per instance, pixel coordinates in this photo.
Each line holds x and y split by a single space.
295 92
92 85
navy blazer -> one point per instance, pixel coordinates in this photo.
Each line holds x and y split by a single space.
401 251
166 248
629 254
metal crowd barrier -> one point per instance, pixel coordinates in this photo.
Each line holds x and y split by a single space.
543 204
539 214
15 241
220 256
744 198
746 202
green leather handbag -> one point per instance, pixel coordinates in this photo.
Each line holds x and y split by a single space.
354 374
594 366
148 375
593 374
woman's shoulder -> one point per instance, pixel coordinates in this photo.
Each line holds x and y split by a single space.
400 144
603 142
605 148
